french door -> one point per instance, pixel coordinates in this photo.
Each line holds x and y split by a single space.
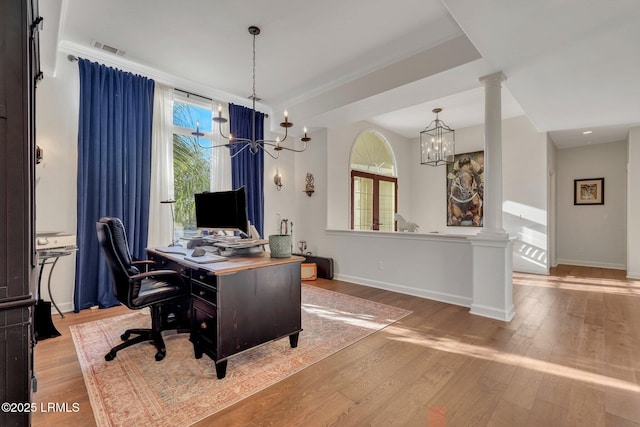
373 201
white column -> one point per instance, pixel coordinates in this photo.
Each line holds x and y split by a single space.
492 205
492 252
633 204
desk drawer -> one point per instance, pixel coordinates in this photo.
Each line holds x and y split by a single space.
204 278
204 327
204 291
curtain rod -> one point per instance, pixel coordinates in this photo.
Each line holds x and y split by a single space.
73 58
203 97
194 94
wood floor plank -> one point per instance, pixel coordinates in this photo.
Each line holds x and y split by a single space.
568 358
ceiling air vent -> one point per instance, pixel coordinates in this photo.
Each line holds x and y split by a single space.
107 48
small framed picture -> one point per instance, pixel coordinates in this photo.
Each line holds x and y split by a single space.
588 191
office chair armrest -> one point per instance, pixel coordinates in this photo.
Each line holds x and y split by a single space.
153 273
136 280
143 262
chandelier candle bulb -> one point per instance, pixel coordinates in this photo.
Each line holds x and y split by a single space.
286 123
305 138
219 119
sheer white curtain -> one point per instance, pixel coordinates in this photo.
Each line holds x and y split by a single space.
160 219
220 158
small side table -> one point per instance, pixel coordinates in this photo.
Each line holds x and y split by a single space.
44 327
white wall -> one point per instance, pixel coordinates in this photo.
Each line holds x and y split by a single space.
57 100
633 204
433 266
524 154
277 204
437 267
339 144
593 235
552 168
429 203
525 194
311 210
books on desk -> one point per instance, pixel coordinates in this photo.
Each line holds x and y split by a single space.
241 244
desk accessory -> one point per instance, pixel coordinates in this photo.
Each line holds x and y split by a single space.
173 221
308 271
280 244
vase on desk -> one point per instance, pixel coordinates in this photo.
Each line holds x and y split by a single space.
280 245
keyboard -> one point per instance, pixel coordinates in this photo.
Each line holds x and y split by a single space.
178 250
205 259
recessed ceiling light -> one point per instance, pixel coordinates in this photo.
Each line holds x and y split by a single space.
587 132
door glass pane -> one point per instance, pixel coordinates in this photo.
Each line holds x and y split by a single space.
362 203
387 200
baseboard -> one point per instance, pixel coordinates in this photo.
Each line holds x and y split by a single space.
65 307
422 293
493 313
531 271
596 264
633 274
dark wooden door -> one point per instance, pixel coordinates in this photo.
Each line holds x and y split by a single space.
19 70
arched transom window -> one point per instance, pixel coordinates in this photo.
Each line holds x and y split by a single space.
374 186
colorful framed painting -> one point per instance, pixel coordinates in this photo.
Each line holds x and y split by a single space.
465 190
588 191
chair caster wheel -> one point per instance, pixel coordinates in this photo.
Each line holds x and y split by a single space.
125 336
109 356
160 355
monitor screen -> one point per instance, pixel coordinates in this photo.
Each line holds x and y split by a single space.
222 210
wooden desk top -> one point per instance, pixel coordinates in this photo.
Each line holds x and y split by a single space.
232 264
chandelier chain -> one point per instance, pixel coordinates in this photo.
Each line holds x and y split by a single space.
254 72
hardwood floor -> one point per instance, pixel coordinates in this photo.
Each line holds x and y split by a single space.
570 357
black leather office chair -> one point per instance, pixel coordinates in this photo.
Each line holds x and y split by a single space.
163 291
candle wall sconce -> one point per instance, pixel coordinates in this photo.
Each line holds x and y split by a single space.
277 179
309 187
39 154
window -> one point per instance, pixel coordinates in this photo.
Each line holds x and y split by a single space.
193 161
374 187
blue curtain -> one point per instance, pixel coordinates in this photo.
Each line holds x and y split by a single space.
247 168
114 171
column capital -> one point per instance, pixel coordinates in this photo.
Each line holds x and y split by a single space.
493 79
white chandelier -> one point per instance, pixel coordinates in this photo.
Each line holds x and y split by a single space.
254 145
437 143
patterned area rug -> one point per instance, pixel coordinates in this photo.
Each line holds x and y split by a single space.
134 389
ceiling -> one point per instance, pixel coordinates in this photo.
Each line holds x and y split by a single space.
571 65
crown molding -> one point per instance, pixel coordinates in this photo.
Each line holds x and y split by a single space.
157 75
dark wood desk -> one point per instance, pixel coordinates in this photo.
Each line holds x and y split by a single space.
239 303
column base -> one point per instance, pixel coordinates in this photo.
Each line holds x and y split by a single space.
492 276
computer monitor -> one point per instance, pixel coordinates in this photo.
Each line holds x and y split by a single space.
222 210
